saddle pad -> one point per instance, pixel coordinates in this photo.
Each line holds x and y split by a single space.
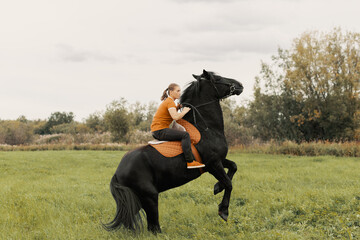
156 142
195 135
173 148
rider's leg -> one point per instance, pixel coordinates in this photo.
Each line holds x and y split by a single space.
169 134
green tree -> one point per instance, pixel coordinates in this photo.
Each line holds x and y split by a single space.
15 132
148 116
22 119
137 113
96 122
38 126
56 118
117 119
310 91
235 118
70 128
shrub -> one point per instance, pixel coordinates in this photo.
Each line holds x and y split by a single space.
57 118
139 137
95 122
15 132
117 120
345 149
49 139
70 128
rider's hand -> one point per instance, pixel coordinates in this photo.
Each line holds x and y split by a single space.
186 109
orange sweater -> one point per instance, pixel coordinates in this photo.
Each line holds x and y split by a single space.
162 118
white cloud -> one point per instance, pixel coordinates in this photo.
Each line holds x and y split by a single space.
68 53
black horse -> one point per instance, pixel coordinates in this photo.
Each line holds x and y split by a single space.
143 173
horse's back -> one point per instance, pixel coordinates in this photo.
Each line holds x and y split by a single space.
133 166
145 165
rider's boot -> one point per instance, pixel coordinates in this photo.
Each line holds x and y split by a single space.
191 163
195 164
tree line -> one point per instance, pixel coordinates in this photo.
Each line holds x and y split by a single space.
121 119
309 92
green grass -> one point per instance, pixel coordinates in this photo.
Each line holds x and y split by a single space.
65 195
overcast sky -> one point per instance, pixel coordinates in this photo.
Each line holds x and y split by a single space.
80 55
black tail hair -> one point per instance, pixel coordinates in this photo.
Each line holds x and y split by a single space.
128 208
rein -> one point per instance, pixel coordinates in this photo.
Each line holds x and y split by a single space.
232 89
195 109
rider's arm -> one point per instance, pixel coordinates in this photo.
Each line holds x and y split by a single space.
178 115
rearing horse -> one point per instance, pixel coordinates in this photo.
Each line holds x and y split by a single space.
144 173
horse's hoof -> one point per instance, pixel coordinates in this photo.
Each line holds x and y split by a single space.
218 188
223 215
155 230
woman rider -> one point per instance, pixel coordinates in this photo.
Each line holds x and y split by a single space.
165 114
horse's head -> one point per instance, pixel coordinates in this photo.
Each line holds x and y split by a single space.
222 87
204 94
210 87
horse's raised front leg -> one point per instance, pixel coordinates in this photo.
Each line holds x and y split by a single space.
219 173
218 187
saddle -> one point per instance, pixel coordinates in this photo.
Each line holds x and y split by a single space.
173 148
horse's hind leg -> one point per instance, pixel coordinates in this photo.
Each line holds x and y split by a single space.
150 205
218 187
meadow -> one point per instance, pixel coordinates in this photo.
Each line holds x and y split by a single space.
65 195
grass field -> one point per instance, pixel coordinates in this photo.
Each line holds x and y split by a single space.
65 195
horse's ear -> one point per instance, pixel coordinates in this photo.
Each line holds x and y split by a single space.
196 76
206 74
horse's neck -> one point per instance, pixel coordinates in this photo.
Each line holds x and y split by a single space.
211 114
213 117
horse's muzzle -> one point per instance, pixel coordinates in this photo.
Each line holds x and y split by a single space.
238 90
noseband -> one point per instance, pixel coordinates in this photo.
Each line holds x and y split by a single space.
230 85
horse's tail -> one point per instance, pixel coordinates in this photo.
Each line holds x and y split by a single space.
127 208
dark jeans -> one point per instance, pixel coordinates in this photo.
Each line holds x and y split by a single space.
169 134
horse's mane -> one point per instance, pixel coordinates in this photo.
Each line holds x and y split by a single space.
193 88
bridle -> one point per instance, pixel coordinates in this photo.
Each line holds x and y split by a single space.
230 85
218 98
